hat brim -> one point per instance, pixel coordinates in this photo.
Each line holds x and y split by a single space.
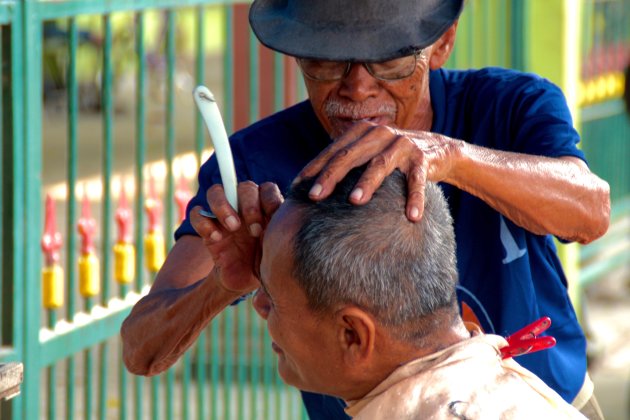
350 42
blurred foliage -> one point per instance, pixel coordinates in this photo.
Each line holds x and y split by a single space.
89 53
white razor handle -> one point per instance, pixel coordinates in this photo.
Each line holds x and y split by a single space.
214 123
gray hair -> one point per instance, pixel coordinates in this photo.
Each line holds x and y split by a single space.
372 256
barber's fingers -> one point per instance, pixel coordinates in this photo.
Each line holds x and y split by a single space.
361 150
221 208
250 210
416 183
270 199
337 149
206 228
397 152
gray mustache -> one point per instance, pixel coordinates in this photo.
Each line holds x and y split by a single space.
357 111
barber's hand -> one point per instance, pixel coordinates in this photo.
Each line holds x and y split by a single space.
234 239
420 155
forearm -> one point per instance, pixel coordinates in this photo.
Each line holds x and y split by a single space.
165 323
543 195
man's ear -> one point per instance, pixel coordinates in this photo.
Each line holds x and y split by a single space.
356 335
442 48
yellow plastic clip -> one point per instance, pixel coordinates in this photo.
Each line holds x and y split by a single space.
89 276
52 287
124 262
154 249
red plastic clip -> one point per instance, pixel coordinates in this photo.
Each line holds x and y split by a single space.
182 197
51 241
86 226
153 208
526 340
123 216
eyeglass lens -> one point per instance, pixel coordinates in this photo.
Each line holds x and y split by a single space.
398 68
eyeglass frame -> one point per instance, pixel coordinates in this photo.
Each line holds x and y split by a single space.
366 64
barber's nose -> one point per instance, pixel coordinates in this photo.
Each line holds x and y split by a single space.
261 303
358 84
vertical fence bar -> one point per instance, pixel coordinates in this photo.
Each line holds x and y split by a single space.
155 397
52 372
2 180
254 337
200 76
254 79
278 77
169 154
88 375
500 20
31 34
141 94
71 234
241 360
106 214
108 113
518 25
13 167
185 386
200 70
267 375
140 146
228 82
214 368
279 97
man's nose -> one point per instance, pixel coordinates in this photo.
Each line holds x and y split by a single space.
261 303
359 84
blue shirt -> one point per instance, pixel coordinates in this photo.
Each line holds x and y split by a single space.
509 277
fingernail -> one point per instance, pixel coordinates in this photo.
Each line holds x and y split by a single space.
414 213
231 223
357 194
216 236
316 190
297 180
255 229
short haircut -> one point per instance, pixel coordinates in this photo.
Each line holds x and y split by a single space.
372 256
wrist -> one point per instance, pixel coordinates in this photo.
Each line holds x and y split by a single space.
459 152
228 291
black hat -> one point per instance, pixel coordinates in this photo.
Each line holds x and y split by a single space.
351 30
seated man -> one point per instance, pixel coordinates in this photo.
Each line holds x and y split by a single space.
361 304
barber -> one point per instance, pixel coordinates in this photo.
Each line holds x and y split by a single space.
500 142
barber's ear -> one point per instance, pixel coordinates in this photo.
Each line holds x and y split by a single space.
443 47
356 335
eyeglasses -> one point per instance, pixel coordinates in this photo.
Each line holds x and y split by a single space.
330 71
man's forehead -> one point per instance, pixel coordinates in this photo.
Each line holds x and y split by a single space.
279 235
285 222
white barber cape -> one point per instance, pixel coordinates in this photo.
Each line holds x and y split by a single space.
466 381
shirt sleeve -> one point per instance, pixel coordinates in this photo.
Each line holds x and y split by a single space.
542 123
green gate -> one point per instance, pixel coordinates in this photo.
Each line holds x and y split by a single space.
98 113
606 128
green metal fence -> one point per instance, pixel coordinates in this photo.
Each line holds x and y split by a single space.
606 128
70 133
96 105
